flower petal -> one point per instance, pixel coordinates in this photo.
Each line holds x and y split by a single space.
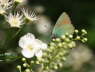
26 40
38 54
42 45
27 53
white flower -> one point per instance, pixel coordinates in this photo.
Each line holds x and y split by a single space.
15 20
29 14
5 5
31 46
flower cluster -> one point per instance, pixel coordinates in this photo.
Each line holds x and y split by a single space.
59 49
16 19
55 55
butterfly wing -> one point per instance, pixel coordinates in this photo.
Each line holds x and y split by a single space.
63 26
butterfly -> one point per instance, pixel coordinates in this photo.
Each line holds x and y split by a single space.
63 26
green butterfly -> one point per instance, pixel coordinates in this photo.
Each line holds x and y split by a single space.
63 26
